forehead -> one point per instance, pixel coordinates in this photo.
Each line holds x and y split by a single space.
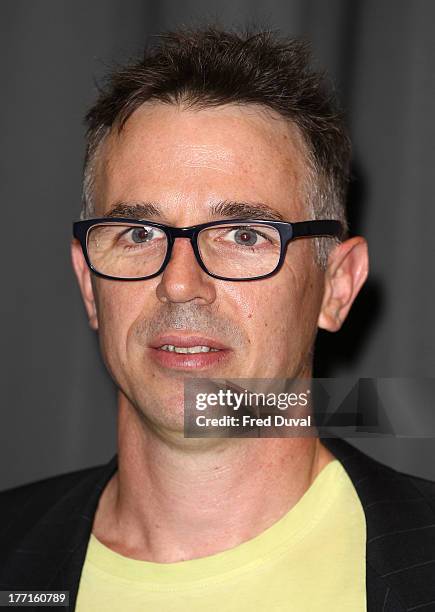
186 160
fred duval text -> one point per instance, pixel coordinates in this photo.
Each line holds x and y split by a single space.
248 421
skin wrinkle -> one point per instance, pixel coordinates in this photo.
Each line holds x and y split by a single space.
201 492
204 156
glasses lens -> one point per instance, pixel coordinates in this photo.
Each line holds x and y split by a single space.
240 250
126 250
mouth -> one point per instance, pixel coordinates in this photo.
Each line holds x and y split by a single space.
188 352
191 350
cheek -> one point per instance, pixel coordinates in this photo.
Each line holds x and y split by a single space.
265 311
281 314
118 306
304 281
278 315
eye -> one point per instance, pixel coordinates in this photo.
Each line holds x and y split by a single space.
139 237
254 236
245 236
141 234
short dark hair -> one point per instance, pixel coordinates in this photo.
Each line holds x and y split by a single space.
213 67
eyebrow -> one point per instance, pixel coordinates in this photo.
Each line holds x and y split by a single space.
226 208
245 210
135 210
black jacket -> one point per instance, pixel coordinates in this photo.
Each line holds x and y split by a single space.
45 528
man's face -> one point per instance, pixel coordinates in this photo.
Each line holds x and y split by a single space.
185 162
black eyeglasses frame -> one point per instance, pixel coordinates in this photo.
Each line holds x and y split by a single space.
288 232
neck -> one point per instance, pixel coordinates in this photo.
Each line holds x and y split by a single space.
167 503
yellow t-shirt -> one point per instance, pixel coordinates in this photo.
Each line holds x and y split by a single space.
312 559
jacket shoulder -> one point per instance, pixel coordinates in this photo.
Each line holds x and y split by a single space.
386 483
23 506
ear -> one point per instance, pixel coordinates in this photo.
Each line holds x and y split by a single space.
83 275
347 270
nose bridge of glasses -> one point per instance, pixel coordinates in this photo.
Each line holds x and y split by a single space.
188 265
182 232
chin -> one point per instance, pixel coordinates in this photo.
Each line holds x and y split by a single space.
163 413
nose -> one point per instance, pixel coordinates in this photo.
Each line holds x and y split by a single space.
183 280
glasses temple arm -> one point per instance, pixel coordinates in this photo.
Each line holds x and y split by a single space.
328 227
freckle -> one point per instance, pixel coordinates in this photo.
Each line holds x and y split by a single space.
265 324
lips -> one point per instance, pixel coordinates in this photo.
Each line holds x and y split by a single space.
184 360
187 342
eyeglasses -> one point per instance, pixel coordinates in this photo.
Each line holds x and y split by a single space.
234 250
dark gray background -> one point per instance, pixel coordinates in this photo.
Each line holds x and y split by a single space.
58 405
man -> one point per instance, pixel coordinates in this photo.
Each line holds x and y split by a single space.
234 136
